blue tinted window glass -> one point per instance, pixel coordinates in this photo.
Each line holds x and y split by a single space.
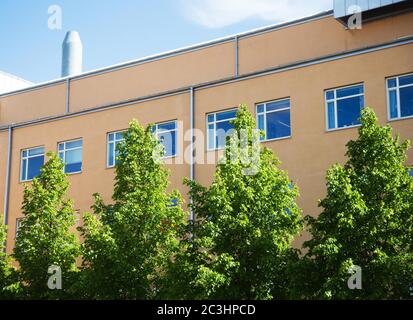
74 144
393 104
261 122
36 151
73 161
111 136
348 111
349 91
278 124
391 83
167 126
223 128
211 137
331 115
406 80
330 95
35 165
260 108
73 167
111 154
168 140
406 101
278 105
61 146
411 172
24 154
120 135
210 118
174 202
226 115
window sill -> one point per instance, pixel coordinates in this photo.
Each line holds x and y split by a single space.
276 139
73 173
343 128
401 118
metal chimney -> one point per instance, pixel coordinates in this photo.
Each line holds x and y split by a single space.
72 52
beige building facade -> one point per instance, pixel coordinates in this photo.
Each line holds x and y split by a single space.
305 81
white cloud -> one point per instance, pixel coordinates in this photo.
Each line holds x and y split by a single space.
222 13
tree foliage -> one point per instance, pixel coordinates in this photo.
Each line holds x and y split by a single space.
45 237
244 224
367 221
9 286
128 243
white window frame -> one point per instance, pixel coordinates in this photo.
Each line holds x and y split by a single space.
265 112
115 141
157 132
26 170
335 99
397 89
70 149
214 122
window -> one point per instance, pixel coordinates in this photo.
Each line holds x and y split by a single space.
400 97
218 127
70 152
113 140
166 133
343 106
411 172
274 119
31 162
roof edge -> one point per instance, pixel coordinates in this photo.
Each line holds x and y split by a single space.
171 53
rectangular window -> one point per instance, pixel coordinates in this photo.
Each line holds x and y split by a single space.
166 133
31 162
400 97
218 128
274 119
113 140
70 152
343 106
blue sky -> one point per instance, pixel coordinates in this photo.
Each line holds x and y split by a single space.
114 31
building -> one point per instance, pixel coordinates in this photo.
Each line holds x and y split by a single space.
305 81
9 82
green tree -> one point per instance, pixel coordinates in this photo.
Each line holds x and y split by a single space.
245 222
367 221
45 238
128 243
8 282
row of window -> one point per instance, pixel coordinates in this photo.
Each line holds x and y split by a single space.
70 152
342 106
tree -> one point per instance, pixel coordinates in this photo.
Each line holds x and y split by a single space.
239 246
128 243
367 221
8 284
45 239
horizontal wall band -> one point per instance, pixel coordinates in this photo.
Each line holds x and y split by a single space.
174 53
278 69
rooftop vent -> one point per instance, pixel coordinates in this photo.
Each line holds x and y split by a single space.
72 54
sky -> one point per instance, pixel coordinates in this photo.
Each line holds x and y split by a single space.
115 31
